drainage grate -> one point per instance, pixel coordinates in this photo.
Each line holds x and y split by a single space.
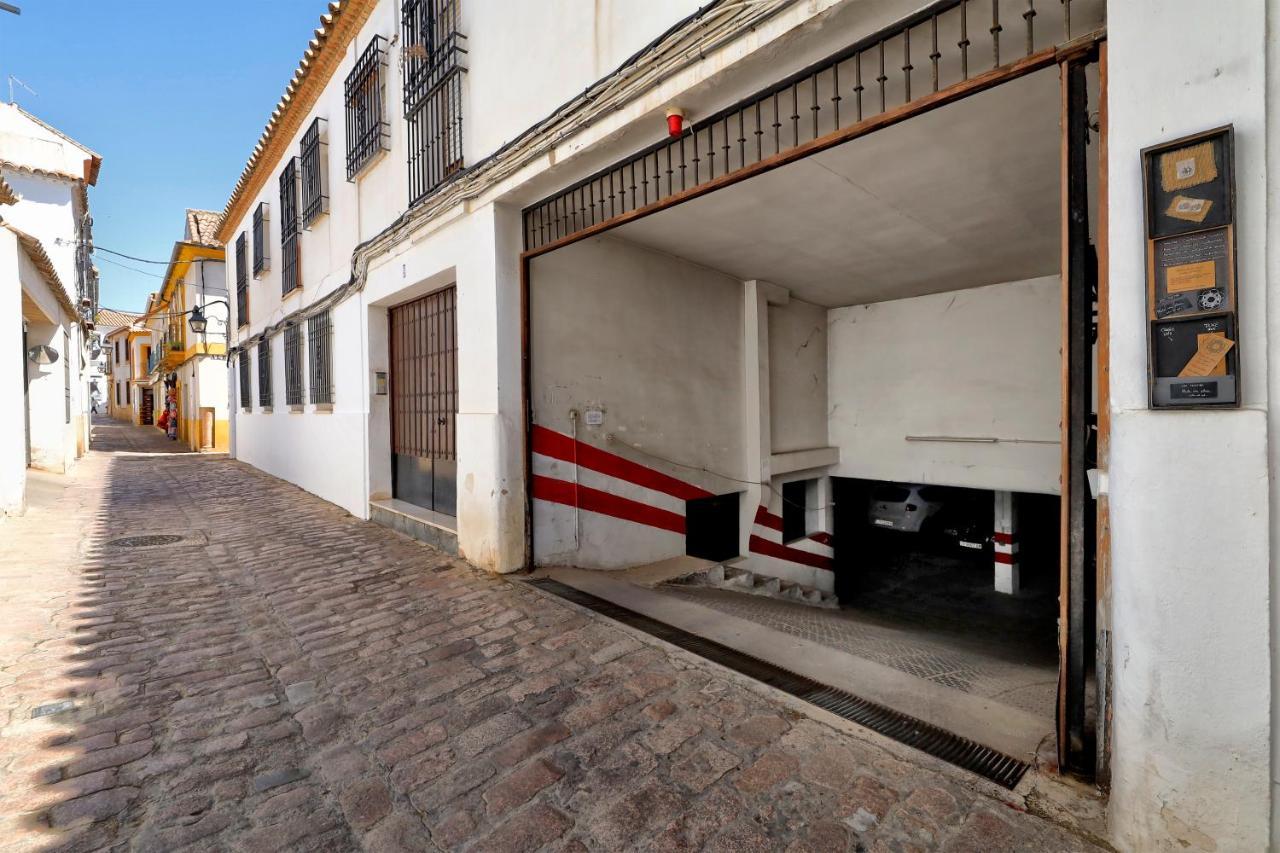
986 762
145 541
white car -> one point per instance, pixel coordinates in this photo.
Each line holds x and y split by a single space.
904 507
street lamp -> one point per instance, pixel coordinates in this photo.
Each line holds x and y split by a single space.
198 321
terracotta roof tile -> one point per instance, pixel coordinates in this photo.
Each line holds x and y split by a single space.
202 227
110 318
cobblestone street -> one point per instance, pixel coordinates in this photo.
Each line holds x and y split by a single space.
287 677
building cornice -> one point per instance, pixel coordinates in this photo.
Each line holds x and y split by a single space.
324 53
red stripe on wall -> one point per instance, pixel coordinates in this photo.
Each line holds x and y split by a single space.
822 537
1002 538
764 518
594 500
1007 559
557 445
759 545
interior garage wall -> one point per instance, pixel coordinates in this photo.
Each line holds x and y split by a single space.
656 343
797 376
970 363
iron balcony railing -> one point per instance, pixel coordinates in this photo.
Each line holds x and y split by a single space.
434 53
944 44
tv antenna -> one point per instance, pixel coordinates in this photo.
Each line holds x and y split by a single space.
13 80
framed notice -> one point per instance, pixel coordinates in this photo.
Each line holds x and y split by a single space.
1189 189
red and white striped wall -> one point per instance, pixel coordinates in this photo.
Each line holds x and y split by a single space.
807 561
596 509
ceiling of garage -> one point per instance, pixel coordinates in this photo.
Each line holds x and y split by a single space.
959 197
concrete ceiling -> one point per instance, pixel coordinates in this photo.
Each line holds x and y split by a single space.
959 197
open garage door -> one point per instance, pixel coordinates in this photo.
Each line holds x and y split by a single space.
910 307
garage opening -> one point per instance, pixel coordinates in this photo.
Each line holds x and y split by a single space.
866 348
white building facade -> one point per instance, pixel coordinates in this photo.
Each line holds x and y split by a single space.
480 295
50 291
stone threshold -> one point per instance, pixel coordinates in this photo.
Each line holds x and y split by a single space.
432 528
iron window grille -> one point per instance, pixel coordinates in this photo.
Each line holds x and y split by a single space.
368 132
264 373
434 51
320 346
242 282
290 272
314 162
293 365
246 393
261 246
66 369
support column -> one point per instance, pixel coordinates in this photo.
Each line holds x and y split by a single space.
757 442
1005 539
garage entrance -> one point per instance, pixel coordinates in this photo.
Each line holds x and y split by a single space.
896 322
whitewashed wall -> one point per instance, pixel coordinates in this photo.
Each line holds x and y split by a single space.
13 441
1192 531
971 363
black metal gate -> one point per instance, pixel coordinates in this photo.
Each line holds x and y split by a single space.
424 401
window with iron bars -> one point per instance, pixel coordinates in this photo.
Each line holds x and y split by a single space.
261 248
242 282
290 272
66 369
246 393
293 365
320 352
368 132
264 373
314 162
434 51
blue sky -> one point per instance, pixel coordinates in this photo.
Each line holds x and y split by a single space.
172 93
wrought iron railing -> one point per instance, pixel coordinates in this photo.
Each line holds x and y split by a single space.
313 163
368 131
320 352
944 44
434 53
293 365
289 225
264 373
261 251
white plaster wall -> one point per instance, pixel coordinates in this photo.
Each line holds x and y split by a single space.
46 211
1191 575
13 440
654 341
972 363
320 451
797 376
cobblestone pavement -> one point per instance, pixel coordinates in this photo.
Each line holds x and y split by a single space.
290 678
945 659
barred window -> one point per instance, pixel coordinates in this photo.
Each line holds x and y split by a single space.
314 161
433 66
246 393
66 369
368 132
320 353
290 274
293 365
264 373
242 282
261 247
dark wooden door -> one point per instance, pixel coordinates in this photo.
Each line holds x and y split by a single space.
424 401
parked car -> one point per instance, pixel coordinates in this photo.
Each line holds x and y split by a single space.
959 518
904 507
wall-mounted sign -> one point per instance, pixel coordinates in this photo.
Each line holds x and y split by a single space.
1193 357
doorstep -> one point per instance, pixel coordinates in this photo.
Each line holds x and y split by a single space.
433 528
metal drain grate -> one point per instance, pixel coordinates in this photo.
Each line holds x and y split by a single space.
145 541
964 753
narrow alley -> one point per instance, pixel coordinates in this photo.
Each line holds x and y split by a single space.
284 676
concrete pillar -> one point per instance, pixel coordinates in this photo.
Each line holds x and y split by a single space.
1005 539
757 439
13 427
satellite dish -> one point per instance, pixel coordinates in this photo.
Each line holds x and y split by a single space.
42 354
